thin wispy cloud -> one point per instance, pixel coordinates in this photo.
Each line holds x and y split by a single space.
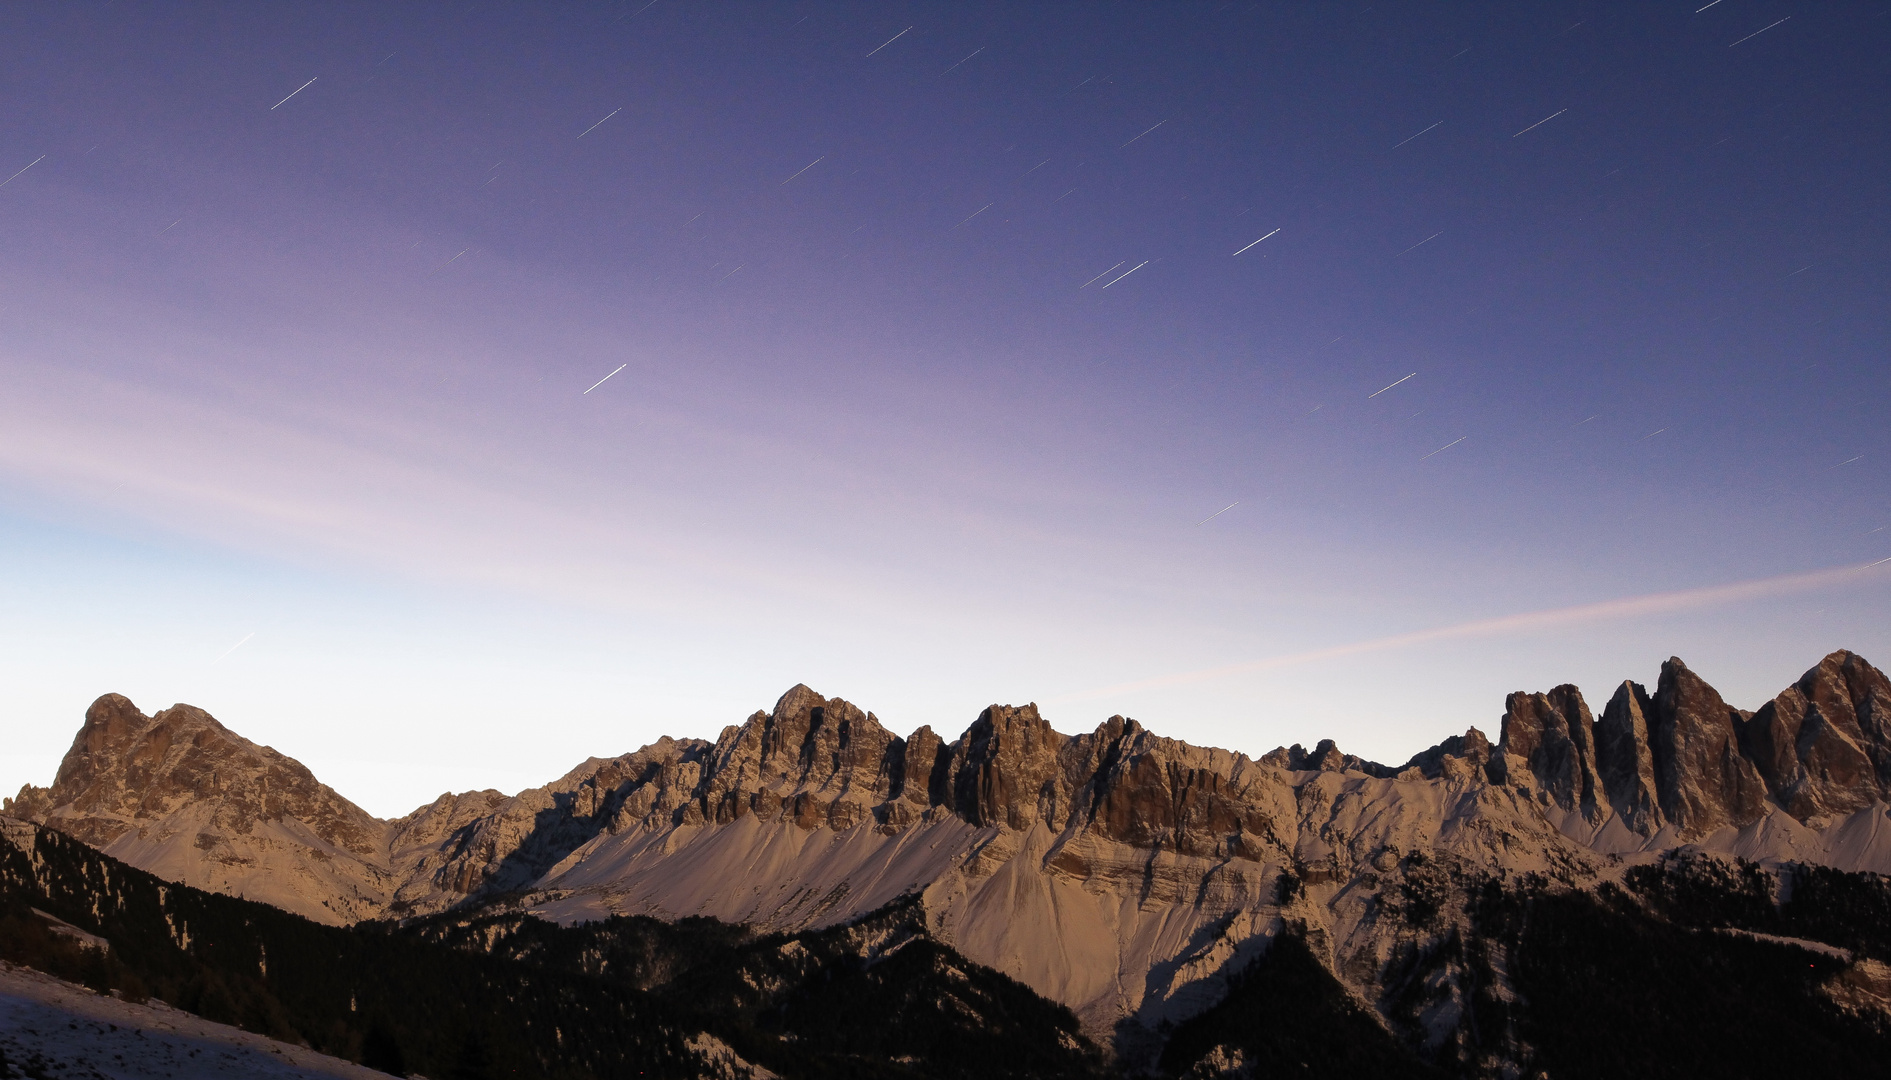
1661 603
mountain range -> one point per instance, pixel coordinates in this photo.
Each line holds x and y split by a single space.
1146 884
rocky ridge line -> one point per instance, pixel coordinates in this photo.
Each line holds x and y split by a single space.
1116 871
1679 758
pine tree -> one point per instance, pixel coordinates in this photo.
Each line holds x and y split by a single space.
381 1050
474 1061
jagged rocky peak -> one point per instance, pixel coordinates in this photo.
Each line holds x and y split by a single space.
822 743
1325 757
1684 757
1703 779
93 770
125 768
1160 794
1823 746
1674 758
1554 736
1458 758
1008 767
1625 759
813 760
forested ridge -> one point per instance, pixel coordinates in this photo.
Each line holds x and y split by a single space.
388 1000
1689 964
466 998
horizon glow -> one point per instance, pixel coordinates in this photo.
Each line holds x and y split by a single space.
1511 403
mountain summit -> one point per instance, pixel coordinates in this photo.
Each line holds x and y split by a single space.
1126 875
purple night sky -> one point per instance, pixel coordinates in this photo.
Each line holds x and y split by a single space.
305 373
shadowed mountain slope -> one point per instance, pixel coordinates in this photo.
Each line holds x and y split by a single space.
511 996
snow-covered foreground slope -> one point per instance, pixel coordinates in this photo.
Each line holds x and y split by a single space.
1119 872
59 1028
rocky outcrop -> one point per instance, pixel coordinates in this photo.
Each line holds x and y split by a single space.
125 768
1553 735
1326 757
1684 758
1466 755
813 761
181 795
1823 746
1625 762
1703 779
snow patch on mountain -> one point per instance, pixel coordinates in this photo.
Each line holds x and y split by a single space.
57 1027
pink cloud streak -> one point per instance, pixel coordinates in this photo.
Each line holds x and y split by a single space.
1650 604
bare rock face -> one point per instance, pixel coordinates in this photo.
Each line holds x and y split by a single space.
1459 757
812 761
1126 785
180 791
1006 766
1554 735
1326 757
125 769
1703 779
1822 745
1625 761
482 842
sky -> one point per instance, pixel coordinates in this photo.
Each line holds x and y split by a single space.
443 394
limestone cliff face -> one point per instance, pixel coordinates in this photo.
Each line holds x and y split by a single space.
1703 779
180 794
1823 746
1681 759
482 842
1005 767
1684 758
1148 792
1625 760
1554 735
125 767
811 761
1114 870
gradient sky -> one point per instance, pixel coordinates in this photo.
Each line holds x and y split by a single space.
305 373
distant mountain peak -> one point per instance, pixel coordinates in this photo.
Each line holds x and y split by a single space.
208 807
1066 860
